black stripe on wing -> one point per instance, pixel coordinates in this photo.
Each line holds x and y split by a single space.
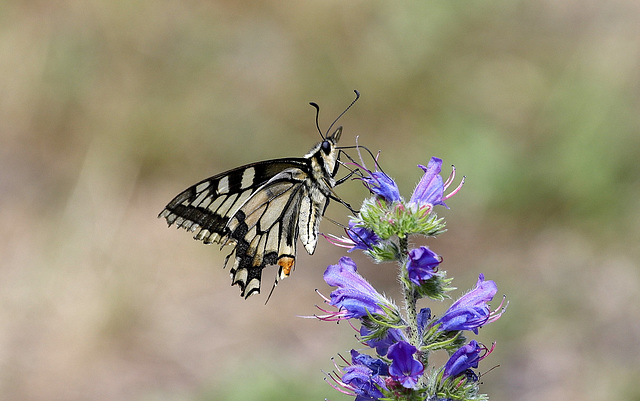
207 206
265 230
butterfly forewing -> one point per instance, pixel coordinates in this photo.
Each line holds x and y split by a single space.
207 206
260 209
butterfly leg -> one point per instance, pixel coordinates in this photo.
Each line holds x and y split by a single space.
346 177
343 203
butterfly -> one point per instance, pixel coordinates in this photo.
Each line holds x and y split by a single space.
262 208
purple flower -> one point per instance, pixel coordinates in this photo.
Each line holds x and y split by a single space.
430 189
422 264
382 185
404 368
359 380
466 357
358 238
355 297
382 345
471 311
362 237
422 319
378 183
377 366
361 383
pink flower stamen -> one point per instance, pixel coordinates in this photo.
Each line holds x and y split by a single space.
451 177
487 351
495 315
455 191
339 241
339 385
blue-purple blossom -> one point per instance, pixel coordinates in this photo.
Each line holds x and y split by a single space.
359 380
466 357
362 377
422 264
422 319
358 237
382 185
362 237
471 311
378 182
377 366
382 345
354 297
430 189
404 368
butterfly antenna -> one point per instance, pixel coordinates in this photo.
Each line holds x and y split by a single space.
315 106
345 110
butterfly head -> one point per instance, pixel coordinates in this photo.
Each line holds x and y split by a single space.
328 145
326 154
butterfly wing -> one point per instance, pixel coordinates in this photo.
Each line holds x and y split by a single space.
206 207
266 227
259 209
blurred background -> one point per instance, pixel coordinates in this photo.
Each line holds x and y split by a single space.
110 108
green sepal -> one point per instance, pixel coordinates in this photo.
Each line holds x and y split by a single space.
399 219
436 287
434 339
384 251
379 323
459 387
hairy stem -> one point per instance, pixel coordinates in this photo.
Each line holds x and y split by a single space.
410 306
408 293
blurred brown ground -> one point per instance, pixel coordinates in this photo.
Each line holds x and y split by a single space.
109 108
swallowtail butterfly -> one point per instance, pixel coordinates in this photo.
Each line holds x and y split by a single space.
262 208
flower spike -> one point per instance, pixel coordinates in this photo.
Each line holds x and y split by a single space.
401 342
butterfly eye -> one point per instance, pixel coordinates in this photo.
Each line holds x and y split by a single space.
326 147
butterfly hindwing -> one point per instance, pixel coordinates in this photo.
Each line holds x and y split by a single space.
265 230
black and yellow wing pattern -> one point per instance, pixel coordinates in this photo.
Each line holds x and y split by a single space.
261 209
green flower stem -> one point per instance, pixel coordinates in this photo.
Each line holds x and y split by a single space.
409 294
412 315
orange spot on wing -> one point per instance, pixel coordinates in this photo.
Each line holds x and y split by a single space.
286 265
